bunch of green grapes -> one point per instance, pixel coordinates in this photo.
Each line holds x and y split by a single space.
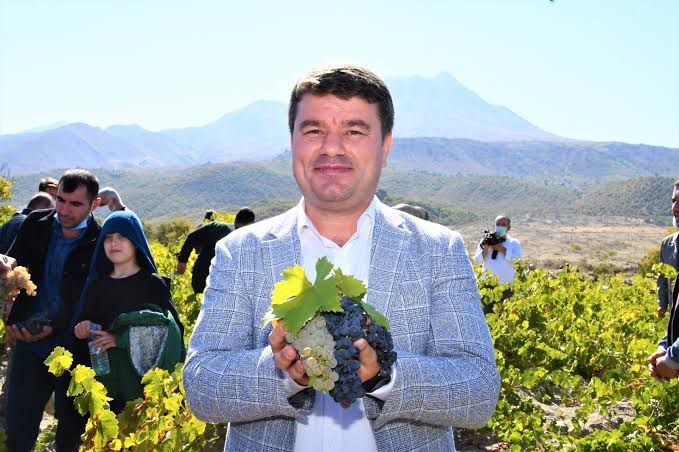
315 346
12 282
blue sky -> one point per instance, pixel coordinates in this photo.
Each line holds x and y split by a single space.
595 70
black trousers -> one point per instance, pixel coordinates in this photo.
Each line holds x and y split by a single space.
30 386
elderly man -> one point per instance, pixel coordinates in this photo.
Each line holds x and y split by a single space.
417 273
110 197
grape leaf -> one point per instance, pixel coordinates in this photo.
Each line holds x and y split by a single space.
349 285
374 314
107 428
322 296
293 283
59 360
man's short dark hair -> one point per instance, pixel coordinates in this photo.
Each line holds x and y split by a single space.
244 216
41 200
345 82
72 179
209 215
47 182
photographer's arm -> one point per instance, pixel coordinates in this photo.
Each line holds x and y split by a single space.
481 252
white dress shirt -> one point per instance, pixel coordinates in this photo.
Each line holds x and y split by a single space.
330 427
503 264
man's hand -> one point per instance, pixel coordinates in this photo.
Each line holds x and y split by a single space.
181 268
662 371
661 312
500 248
368 359
83 329
13 334
653 359
105 340
285 356
7 263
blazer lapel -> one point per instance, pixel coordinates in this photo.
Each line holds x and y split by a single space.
388 241
281 249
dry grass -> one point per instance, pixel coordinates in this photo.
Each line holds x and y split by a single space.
590 243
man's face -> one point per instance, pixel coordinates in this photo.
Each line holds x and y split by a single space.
73 207
338 152
502 222
675 206
52 190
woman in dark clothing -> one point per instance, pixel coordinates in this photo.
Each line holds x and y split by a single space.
124 292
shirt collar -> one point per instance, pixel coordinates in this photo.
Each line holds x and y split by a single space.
367 218
82 225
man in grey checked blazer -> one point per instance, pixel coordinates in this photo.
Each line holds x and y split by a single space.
419 277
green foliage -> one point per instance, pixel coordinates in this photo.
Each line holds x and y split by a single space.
564 340
160 421
171 233
578 343
6 184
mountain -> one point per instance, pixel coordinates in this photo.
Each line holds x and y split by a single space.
443 107
156 145
552 161
425 107
256 132
71 146
187 192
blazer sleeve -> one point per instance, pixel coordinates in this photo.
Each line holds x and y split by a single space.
457 381
227 377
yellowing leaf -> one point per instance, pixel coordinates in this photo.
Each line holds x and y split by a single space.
321 297
107 428
295 301
293 283
59 360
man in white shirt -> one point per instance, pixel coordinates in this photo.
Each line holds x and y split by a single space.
498 258
417 274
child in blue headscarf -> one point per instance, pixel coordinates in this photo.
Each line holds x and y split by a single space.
130 307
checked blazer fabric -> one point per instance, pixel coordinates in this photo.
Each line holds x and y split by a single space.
420 278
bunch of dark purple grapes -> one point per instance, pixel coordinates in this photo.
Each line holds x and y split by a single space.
346 328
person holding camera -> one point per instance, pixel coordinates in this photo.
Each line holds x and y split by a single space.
497 251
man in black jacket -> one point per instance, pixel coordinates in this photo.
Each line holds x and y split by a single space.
203 240
8 231
56 246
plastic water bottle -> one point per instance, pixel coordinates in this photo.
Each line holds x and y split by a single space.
98 357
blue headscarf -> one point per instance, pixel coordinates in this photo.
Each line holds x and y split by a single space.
128 224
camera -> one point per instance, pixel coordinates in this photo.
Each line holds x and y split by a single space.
35 324
491 238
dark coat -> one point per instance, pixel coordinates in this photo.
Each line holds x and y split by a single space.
673 325
9 230
30 250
